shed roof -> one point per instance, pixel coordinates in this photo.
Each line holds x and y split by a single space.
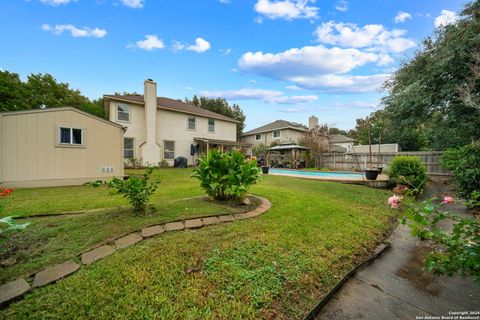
10 113
173 105
277 125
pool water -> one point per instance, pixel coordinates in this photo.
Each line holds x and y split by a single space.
325 174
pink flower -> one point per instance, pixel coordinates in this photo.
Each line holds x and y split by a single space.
447 199
394 200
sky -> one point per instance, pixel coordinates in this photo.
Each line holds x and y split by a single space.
277 59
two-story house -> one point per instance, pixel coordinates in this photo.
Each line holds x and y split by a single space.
286 132
280 131
159 128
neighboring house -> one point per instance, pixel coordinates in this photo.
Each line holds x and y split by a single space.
285 132
280 131
160 128
57 147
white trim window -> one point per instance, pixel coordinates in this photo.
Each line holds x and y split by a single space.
211 125
276 134
123 112
128 148
168 149
191 123
258 137
70 136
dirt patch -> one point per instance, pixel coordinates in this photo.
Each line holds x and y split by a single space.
250 203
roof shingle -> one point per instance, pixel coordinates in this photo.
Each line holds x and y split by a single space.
173 105
277 125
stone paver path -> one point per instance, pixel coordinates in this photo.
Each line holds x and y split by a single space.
127 241
152 231
193 223
174 226
15 289
97 254
396 287
52 274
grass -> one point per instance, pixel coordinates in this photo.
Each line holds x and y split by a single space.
277 265
56 200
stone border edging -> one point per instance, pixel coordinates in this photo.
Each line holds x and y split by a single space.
16 289
379 250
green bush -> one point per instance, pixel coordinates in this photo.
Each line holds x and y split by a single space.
455 250
137 190
464 163
408 170
163 164
226 175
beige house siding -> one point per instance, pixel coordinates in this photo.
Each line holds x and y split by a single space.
32 156
171 126
286 135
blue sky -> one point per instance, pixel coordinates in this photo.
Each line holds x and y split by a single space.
278 59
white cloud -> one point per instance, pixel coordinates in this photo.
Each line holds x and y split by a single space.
309 60
56 3
402 16
445 18
226 51
135 4
150 43
331 106
268 96
286 9
342 6
74 31
375 37
224 1
332 83
201 45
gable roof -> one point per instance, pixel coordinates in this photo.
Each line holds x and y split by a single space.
339 138
173 105
277 125
57 109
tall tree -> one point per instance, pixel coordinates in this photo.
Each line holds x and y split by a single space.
42 90
432 100
318 140
221 106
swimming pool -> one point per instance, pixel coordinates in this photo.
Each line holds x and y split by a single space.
319 174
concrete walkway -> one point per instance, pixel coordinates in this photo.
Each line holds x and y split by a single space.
396 287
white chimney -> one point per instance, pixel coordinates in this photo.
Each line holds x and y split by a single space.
312 122
150 148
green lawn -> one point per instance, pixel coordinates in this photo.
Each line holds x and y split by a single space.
277 265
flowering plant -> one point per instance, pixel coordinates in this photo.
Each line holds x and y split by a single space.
456 250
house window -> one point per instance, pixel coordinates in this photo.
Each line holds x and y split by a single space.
258 136
211 125
276 134
169 149
128 144
71 136
123 112
191 122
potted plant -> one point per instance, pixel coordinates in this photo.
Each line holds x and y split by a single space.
370 172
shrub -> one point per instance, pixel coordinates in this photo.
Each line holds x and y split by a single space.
163 164
137 190
455 251
226 175
408 170
464 163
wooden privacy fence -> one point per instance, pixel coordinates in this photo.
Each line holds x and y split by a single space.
360 161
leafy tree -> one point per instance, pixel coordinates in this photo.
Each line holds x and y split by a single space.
12 92
433 98
318 140
221 106
42 90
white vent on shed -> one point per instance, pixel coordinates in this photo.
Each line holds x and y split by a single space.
107 169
